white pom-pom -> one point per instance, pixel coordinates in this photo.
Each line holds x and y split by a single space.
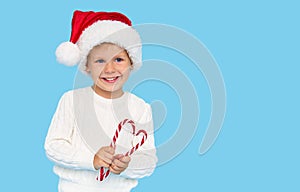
68 54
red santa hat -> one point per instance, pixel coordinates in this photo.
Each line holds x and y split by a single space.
93 28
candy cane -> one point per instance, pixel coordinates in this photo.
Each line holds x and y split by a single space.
102 173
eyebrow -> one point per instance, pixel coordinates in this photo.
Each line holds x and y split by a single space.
121 53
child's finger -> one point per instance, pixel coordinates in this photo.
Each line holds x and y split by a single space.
107 160
109 150
125 159
118 163
104 164
99 162
118 156
115 169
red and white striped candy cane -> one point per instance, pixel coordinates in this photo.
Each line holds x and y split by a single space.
102 173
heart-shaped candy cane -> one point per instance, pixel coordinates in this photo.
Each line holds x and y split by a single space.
102 173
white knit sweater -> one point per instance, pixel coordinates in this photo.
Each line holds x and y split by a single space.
84 122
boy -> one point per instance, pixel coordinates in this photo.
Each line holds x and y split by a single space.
107 48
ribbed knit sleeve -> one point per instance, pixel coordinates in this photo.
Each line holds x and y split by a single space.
143 161
61 145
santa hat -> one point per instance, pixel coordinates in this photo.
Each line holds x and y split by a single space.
93 28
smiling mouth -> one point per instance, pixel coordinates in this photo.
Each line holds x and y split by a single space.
110 79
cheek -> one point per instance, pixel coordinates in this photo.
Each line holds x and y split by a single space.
125 69
126 74
95 72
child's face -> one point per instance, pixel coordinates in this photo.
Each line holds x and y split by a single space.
109 66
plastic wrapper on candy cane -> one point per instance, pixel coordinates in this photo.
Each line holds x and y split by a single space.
102 173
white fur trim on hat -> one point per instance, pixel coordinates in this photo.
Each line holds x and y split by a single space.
110 32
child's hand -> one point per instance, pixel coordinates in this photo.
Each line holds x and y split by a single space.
104 157
119 164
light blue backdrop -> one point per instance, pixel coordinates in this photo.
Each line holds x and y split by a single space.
256 45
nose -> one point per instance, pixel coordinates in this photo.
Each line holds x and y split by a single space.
109 68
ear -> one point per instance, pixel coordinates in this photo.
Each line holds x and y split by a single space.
131 66
87 69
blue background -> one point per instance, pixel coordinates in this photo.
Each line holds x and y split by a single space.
256 45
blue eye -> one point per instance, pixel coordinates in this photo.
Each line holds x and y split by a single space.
119 59
100 61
